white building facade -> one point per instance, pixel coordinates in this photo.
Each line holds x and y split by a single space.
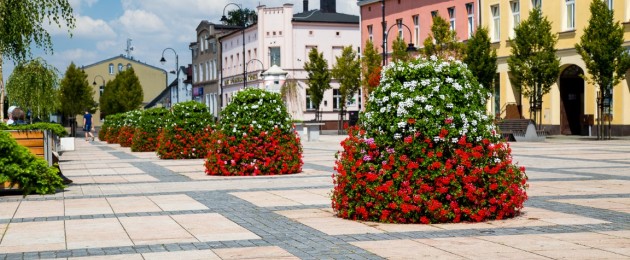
284 39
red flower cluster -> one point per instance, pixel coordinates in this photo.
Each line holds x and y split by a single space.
177 143
421 181
144 141
125 136
111 136
268 153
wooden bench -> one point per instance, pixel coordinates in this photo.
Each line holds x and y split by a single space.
510 127
40 143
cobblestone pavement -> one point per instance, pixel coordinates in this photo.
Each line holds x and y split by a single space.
126 205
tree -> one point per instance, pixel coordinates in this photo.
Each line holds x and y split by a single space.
606 59
481 58
241 17
122 94
347 71
33 86
75 94
370 62
399 50
533 63
318 79
22 23
442 42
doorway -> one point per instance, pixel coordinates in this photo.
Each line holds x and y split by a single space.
572 101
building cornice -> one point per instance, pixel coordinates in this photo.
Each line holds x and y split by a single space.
367 2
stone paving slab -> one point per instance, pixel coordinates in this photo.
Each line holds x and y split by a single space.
126 205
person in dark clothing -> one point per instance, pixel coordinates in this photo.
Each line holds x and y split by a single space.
87 126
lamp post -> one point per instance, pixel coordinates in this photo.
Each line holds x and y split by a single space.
262 67
163 60
383 25
410 47
243 26
101 89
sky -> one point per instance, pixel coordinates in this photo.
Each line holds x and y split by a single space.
103 27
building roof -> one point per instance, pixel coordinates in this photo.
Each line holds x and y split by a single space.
317 16
162 95
124 58
365 2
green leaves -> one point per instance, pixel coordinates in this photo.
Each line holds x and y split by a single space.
75 93
443 41
601 47
22 23
533 62
481 58
370 62
347 72
122 94
253 111
33 86
318 77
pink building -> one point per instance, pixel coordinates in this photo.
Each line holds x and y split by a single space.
416 16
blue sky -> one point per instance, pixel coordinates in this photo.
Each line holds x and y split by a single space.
103 27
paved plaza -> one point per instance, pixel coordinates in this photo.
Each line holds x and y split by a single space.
126 205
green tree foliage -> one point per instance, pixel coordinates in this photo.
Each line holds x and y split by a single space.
533 64
242 17
370 62
33 86
347 71
442 42
75 93
122 94
22 22
601 49
399 50
481 58
318 78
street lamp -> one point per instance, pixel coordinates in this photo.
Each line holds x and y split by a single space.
163 60
243 26
410 47
101 89
262 67
384 34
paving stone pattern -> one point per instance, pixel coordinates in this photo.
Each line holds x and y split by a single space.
126 205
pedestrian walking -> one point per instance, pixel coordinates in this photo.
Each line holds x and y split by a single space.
87 126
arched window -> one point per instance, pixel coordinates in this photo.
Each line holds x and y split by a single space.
111 69
120 67
128 65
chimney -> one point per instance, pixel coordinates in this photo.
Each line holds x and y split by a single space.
328 6
305 5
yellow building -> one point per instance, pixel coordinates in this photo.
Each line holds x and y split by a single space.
152 79
571 98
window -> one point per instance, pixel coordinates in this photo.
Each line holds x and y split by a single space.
434 13
536 4
451 17
370 35
516 16
336 99
471 19
101 89
416 29
111 69
128 65
570 15
337 33
400 27
120 67
610 4
496 23
309 102
196 74
274 55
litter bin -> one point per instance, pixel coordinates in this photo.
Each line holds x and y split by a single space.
353 118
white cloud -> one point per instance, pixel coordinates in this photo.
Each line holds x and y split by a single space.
105 45
91 28
141 21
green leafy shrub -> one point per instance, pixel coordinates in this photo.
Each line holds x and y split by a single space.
426 152
184 135
111 127
256 137
55 128
148 128
21 167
